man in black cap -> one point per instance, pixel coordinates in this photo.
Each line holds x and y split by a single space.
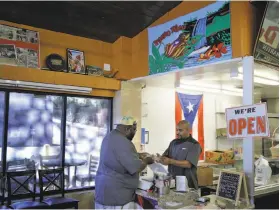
118 172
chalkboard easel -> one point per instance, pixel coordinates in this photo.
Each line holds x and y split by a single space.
232 187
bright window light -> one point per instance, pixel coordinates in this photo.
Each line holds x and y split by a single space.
260 80
210 89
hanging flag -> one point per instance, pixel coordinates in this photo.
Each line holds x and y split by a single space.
190 108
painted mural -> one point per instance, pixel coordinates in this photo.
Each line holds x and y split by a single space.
201 37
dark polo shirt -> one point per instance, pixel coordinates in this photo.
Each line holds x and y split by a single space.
117 175
184 149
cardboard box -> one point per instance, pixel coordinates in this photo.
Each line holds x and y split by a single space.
205 176
220 157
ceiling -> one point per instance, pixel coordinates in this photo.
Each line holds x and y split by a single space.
217 76
100 20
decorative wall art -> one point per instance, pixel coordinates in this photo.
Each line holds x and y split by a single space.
55 62
25 44
76 61
201 37
94 70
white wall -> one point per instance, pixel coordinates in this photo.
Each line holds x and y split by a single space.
127 102
158 116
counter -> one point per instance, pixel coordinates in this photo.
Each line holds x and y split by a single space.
271 187
265 196
149 200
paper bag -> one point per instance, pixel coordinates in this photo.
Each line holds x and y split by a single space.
262 171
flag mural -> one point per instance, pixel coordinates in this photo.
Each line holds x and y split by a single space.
190 108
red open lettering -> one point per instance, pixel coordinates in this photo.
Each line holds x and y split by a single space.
250 121
241 125
232 127
261 124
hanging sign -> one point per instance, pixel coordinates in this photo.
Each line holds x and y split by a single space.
247 121
197 38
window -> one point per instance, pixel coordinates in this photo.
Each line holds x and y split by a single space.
34 134
34 127
2 107
87 123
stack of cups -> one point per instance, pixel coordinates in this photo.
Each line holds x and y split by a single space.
181 184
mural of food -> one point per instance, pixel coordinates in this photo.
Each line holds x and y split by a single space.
197 38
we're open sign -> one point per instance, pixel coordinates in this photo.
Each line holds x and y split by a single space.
247 121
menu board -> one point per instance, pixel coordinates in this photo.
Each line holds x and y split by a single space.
229 185
19 47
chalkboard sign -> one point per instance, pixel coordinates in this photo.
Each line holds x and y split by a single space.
230 184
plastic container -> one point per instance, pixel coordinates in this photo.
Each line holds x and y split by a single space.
181 184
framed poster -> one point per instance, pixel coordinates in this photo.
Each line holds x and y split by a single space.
76 61
26 46
267 45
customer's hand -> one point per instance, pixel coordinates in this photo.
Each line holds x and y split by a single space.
143 155
148 160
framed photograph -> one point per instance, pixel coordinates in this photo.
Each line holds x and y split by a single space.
76 61
22 56
8 54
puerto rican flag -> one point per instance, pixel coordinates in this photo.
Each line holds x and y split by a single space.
190 108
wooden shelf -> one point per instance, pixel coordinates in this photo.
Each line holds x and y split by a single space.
100 84
273 115
59 78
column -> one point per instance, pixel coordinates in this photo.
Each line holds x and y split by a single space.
248 142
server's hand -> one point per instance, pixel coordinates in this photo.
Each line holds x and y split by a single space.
157 158
165 160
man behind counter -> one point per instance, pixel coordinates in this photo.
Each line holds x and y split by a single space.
182 155
118 173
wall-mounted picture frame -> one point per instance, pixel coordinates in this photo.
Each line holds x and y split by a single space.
26 43
76 61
